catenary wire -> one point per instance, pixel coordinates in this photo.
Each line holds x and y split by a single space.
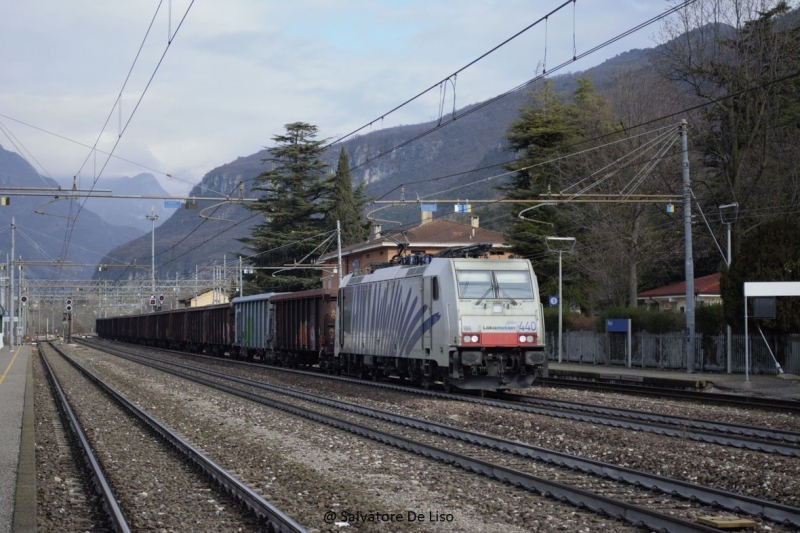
71 226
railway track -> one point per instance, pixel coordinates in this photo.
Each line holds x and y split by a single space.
581 481
715 398
147 467
90 504
765 440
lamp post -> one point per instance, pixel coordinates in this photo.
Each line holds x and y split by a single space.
153 217
12 330
560 245
728 214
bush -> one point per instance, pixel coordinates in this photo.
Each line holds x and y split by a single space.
709 319
666 321
652 321
572 321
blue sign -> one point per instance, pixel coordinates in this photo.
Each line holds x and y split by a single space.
172 203
428 207
552 301
617 325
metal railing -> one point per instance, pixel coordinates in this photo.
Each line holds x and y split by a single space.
668 351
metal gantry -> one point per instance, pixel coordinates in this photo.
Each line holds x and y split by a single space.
44 304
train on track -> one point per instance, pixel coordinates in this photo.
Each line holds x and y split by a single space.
469 323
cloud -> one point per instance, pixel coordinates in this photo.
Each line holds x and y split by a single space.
237 71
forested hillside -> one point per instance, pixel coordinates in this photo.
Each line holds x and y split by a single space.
730 72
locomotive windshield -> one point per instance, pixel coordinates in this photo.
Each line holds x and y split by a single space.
482 284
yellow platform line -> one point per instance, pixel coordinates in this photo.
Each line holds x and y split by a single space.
9 365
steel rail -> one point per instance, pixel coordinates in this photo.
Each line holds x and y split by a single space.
264 510
664 428
776 512
110 503
680 421
628 512
648 422
677 393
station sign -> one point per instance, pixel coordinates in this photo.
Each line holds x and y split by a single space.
617 325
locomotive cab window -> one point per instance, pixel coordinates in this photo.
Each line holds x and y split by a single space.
474 283
435 287
494 284
514 284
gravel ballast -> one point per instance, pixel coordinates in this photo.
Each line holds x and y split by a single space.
309 470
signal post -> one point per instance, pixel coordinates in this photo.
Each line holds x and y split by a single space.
68 329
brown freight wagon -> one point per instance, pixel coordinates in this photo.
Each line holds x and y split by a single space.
305 324
206 329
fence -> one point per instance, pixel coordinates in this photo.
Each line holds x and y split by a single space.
668 351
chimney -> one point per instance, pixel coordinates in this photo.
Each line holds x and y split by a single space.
474 221
376 231
427 216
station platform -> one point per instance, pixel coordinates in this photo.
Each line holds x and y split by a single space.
781 386
17 453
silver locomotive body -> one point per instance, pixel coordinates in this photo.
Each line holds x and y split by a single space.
470 323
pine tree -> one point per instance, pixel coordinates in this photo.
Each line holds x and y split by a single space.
347 205
296 191
537 137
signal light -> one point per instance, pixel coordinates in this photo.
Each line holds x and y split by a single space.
23 299
69 307
161 298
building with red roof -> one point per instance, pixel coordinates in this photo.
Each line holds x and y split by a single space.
427 238
706 290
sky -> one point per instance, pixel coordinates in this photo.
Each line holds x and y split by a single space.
234 72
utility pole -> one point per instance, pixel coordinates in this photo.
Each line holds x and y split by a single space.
339 250
153 217
560 245
241 278
728 221
687 228
11 325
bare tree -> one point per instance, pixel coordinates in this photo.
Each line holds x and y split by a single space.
740 59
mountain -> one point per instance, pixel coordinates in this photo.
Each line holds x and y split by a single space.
41 232
126 211
470 148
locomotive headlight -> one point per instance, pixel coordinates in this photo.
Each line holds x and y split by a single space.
522 338
474 338
530 338
466 338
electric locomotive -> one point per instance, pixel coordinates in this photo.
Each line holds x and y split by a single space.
469 323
